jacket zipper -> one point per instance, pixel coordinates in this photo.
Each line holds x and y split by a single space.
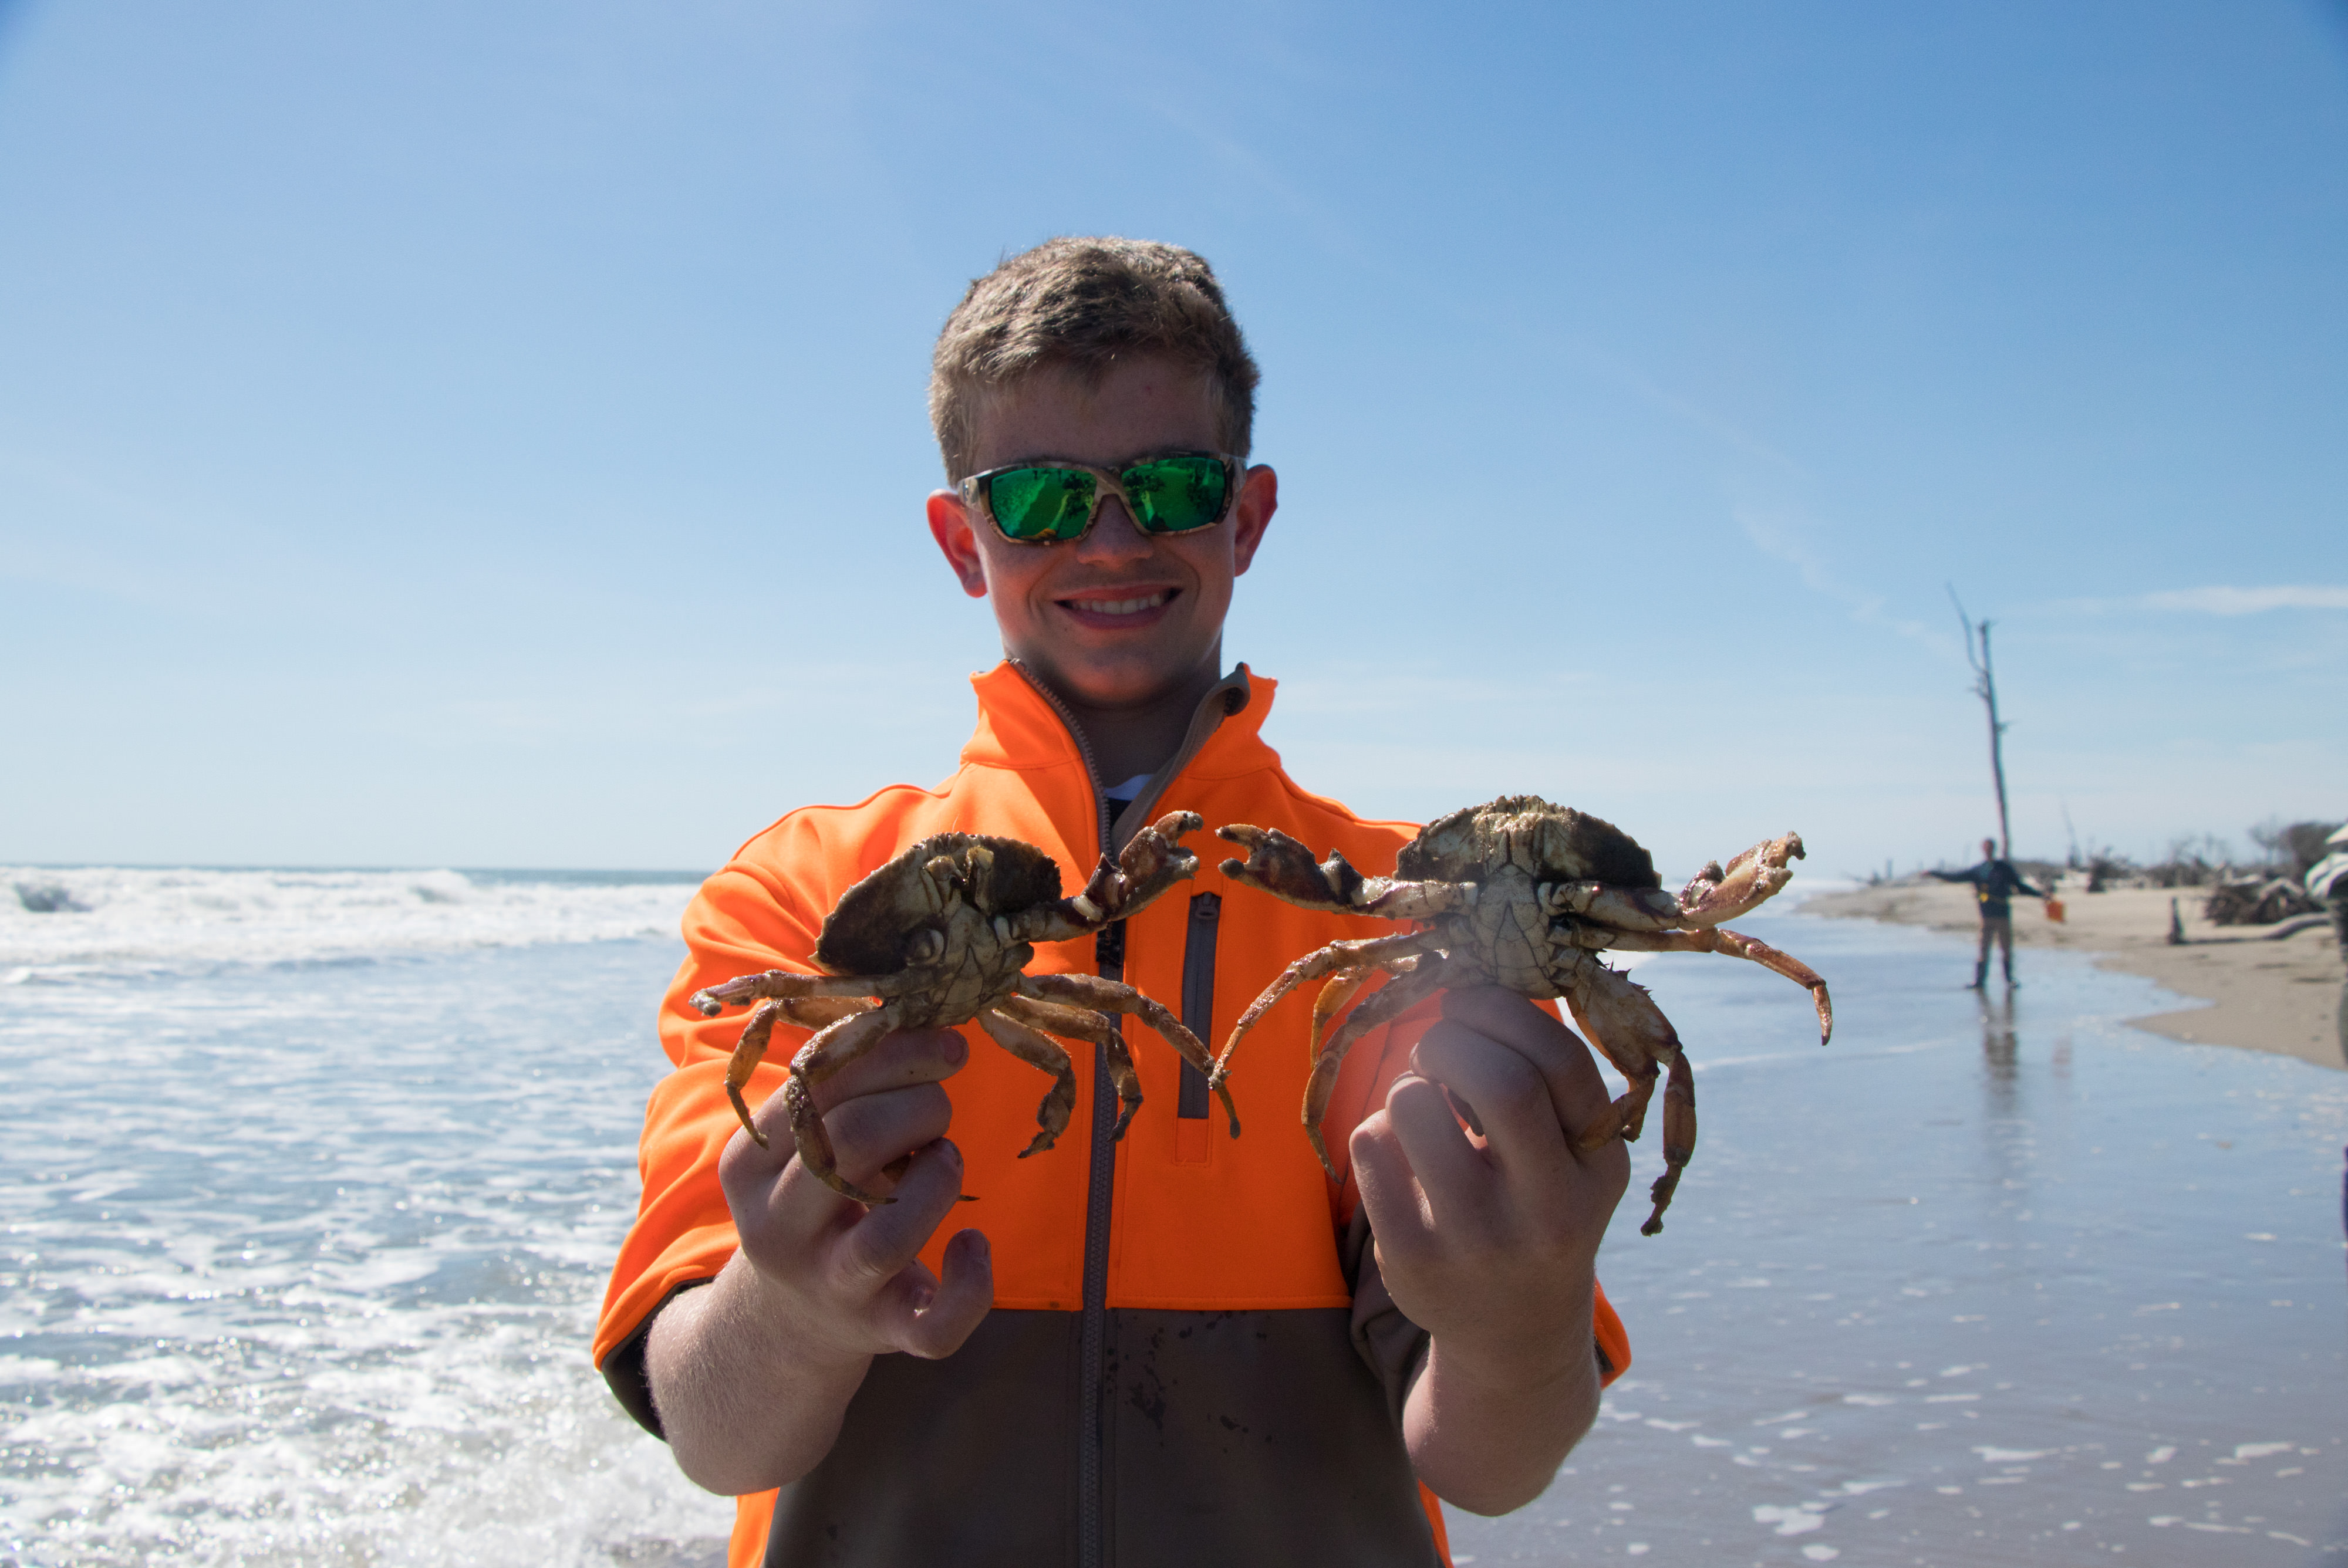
1092 1403
1199 996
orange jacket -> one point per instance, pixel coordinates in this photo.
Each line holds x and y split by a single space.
1200 1223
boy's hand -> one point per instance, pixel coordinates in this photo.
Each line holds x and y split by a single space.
850 1278
753 1374
1491 1245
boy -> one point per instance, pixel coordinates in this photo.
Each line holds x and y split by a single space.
1178 1348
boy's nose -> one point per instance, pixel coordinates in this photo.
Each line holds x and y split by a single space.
1114 538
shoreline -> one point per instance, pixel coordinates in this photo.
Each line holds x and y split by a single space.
2279 996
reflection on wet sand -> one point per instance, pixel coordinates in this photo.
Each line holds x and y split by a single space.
1997 1035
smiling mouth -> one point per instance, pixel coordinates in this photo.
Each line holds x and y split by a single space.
1134 606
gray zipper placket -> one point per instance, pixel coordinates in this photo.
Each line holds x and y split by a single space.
1108 951
1199 997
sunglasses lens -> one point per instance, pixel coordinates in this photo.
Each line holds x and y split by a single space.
1041 503
1176 495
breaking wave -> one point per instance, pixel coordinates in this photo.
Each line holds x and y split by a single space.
57 922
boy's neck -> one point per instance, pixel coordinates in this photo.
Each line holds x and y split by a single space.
1131 741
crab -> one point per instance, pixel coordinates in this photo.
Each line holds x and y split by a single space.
943 934
1521 894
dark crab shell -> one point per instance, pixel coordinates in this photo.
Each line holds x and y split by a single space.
865 933
1565 844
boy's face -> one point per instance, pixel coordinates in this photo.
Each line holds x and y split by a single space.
1118 619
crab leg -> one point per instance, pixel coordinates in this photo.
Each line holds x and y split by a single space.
758 1034
749 1051
1404 993
1679 1139
1115 997
1083 1023
1329 1002
1037 1050
833 1048
1626 909
1720 940
1623 1021
1365 953
790 983
814 1012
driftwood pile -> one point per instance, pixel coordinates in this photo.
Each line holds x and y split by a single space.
2256 901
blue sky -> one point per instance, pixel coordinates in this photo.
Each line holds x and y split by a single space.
447 434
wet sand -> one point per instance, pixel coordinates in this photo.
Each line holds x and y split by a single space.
2283 995
1992 1281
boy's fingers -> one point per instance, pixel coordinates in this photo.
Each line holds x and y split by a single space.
867 1133
1390 1189
898 1061
936 1317
905 1057
874 1248
1451 1171
1508 1093
1577 1094
874 1130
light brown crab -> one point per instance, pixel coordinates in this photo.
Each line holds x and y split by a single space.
942 935
1521 894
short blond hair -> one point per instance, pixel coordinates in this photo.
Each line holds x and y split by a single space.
1083 305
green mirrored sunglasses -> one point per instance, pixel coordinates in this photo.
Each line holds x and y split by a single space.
1051 503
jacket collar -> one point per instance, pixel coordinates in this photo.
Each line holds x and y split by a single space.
1022 728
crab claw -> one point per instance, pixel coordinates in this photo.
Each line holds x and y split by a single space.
1154 860
1286 869
1752 879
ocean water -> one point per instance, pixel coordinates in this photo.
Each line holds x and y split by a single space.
309 1181
308 1185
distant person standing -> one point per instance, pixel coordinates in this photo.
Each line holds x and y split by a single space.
1995 882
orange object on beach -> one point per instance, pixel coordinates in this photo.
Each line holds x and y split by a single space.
2055 910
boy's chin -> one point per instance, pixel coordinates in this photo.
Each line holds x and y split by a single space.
1125 679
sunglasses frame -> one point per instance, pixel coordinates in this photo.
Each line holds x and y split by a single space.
1106 482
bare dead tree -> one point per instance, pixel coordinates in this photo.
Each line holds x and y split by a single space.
1985 688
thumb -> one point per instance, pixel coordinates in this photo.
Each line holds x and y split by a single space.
934 1323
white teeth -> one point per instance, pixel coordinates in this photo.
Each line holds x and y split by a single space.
1120 606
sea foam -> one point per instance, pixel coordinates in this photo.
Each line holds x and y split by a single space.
57 922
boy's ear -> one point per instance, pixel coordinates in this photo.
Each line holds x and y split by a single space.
1259 498
950 526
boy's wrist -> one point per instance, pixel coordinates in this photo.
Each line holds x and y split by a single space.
1527 1352
763 1307
1518 1367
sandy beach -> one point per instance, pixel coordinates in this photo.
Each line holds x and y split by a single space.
2283 996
